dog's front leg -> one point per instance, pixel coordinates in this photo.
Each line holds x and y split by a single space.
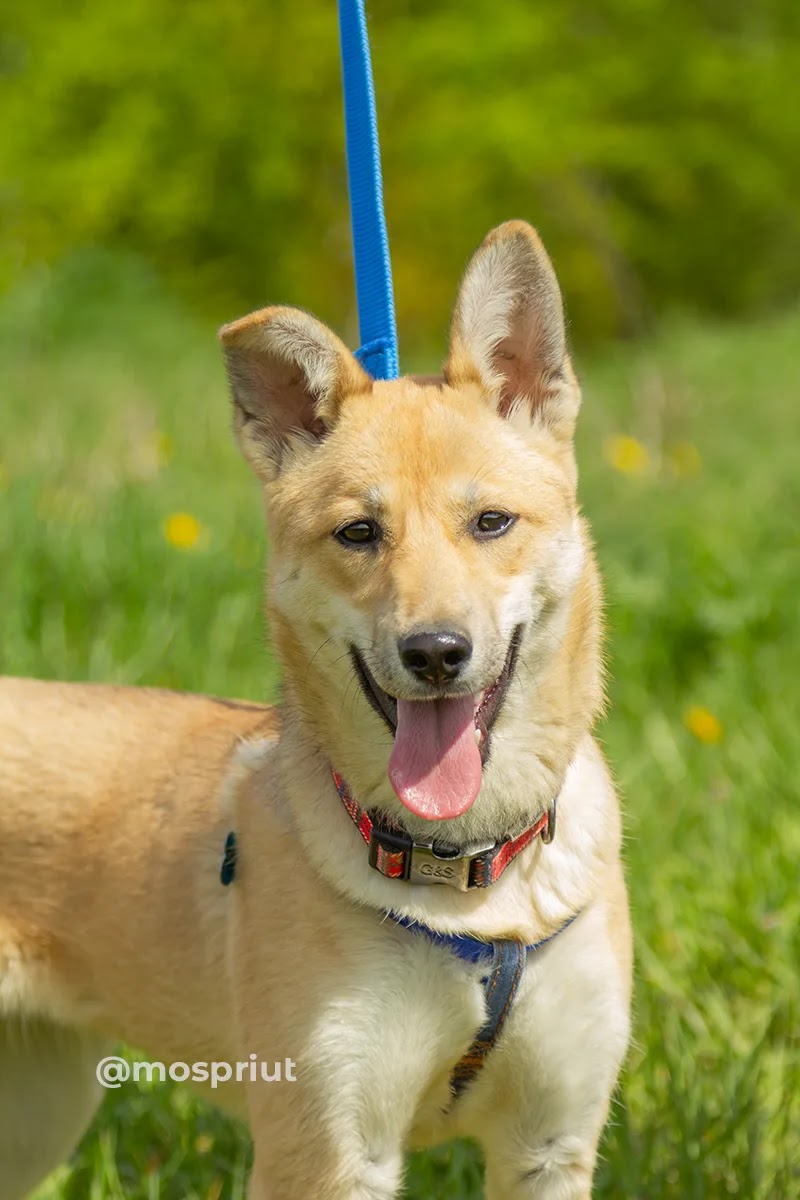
304 1173
558 1168
309 1141
374 1044
551 1155
372 1016
335 1130
549 1090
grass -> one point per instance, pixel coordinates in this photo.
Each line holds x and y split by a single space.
115 418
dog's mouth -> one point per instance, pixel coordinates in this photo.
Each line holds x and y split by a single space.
441 745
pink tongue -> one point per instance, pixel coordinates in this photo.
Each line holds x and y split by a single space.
435 767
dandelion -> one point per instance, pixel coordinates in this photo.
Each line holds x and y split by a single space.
703 725
684 459
626 454
182 530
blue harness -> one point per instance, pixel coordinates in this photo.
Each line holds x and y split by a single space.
506 959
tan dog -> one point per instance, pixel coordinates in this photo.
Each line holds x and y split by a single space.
436 610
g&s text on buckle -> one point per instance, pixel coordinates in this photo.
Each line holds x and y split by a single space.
423 862
428 866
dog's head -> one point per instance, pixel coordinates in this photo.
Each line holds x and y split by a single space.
428 593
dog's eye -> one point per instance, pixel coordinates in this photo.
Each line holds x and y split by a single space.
358 533
493 524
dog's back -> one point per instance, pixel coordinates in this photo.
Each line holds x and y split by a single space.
75 748
102 788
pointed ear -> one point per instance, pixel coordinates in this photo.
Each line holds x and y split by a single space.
508 334
288 376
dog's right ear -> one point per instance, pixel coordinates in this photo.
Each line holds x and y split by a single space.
508 333
288 376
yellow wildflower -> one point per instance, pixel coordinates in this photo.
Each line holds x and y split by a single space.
684 459
626 454
182 530
703 725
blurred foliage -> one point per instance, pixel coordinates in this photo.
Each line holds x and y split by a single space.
655 143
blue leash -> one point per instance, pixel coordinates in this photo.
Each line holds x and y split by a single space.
373 265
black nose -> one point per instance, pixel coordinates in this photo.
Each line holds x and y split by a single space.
435 657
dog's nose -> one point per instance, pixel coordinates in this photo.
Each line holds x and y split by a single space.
435 657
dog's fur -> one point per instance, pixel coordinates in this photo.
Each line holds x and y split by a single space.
115 803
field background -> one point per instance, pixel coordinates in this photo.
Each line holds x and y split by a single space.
157 180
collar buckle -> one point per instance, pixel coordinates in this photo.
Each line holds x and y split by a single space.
395 853
432 864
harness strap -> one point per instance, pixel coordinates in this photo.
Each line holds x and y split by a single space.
507 958
499 988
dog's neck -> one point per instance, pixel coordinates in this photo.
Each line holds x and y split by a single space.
395 855
541 888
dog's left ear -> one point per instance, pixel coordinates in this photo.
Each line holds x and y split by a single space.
288 375
508 333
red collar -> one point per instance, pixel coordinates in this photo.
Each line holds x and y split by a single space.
397 856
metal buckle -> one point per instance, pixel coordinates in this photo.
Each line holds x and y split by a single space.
548 834
430 864
424 861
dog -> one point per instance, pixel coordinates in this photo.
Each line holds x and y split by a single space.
407 880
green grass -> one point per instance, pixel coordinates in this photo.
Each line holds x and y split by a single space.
114 416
